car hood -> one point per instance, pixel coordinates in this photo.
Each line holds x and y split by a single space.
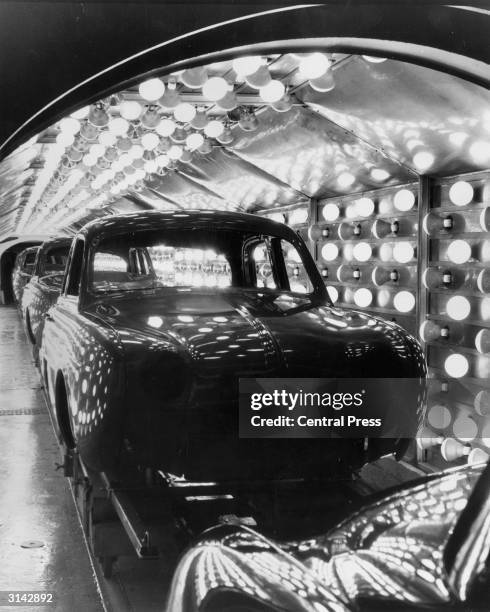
276 334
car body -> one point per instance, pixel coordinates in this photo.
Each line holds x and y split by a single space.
44 285
423 546
23 270
161 314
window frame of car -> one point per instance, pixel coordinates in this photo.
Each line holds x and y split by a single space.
75 258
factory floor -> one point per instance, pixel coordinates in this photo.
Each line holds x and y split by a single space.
42 546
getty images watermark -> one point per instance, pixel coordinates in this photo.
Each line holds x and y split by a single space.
325 408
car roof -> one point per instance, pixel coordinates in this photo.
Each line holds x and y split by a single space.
188 219
56 242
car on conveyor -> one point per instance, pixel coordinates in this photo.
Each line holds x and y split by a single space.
159 316
23 269
421 546
44 285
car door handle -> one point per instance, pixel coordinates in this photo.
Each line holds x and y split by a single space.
48 317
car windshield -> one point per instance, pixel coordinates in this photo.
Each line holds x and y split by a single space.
205 259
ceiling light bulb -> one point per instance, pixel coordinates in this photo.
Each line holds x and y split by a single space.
89 160
362 251
226 137
107 139
461 193
423 160
259 78
480 152
200 120
378 174
97 150
346 179
185 112
194 141
151 166
215 88
69 125
439 416
330 251
458 307
228 102
166 127
313 66
363 297
404 301
175 152
65 139
333 293
194 78
130 110
152 89
81 113
283 105
364 207
162 161
150 118
170 98
404 200
459 251
456 365
465 429
136 151
323 83
214 129
118 126
374 59
272 92
206 147
244 66
330 212
150 141
482 342
403 252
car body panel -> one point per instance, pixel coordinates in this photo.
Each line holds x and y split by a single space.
162 365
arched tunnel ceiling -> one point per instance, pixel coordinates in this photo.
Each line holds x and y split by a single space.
383 123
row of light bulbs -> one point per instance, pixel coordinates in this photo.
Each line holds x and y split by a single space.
401 252
404 200
401 301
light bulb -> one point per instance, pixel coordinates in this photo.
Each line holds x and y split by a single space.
458 307
283 105
89 160
214 129
461 193
151 166
482 403
170 98
152 89
378 174
97 150
162 161
404 301
228 102
330 251
185 112
403 252
150 141
363 297
107 139
70 125
465 429
194 78
313 66
364 207
175 152
362 251
65 139
272 92
372 59
345 179
300 215
333 293
130 110
324 83
243 66
459 251
259 78
200 120
456 365
480 152
423 160
194 141
166 127
482 341
215 88
226 137
330 212
118 126
404 200
439 416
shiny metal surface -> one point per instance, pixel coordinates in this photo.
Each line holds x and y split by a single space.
22 272
153 374
387 555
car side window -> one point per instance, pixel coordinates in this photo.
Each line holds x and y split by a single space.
73 279
263 271
299 281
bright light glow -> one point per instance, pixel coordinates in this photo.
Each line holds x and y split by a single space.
175 152
185 112
70 125
330 251
272 92
245 66
465 429
364 207
194 78
155 322
215 88
300 215
363 297
480 152
150 141
136 151
458 307
404 301
97 150
459 251
194 141
423 160
259 78
333 293
81 113
403 252
378 174
456 365
166 127
151 166
482 341
404 200
478 455
330 212
346 179
107 139
461 193
313 66
65 139
214 129
374 60
439 416
362 251
458 138
152 89
324 83
482 403
89 160
130 109
118 126
162 161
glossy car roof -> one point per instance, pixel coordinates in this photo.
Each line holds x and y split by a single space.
199 219
55 242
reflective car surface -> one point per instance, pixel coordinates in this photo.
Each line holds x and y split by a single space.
23 269
44 286
160 315
421 547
